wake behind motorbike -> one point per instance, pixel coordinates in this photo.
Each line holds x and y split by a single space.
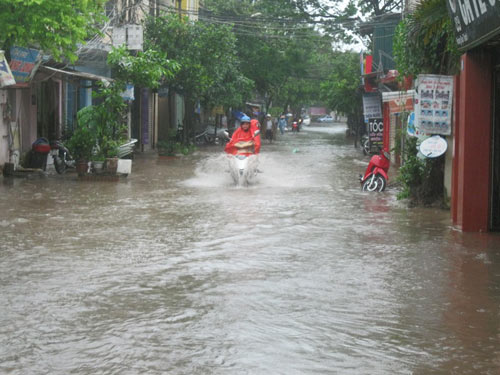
375 178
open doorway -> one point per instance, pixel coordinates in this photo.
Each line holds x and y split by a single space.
495 158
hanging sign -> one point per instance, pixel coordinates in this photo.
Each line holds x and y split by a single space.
371 106
433 146
433 104
6 77
475 21
410 127
24 63
128 94
376 134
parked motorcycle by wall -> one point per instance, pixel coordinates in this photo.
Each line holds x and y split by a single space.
365 144
375 178
42 148
62 158
212 136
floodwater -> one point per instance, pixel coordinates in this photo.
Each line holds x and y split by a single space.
177 271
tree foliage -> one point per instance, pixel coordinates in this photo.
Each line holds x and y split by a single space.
277 45
206 56
424 42
341 89
55 26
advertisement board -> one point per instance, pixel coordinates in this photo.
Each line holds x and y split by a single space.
376 134
372 107
433 104
433 146
23 63
475 21
6 77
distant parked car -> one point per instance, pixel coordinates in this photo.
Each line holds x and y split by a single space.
306 120
326 118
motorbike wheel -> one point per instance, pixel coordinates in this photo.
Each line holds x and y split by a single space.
366 147
376 184
59 165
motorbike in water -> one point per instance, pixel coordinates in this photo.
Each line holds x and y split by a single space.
375 178
295 126
243 165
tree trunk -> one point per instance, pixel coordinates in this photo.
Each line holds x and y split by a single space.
189 118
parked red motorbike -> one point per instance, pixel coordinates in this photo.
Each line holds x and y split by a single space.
375 178
41 148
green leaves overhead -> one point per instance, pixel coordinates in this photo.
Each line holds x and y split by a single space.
55 26
341 89
424 42
207 58
147 69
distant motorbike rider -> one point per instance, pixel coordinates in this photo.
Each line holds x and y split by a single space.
245 139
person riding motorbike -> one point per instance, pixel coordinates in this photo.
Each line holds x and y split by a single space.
245 139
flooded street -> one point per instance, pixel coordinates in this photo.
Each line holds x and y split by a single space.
177 271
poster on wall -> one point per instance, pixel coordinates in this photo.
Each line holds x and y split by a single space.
376 134
433 104
6 77
372 107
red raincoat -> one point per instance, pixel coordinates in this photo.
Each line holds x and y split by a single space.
239 135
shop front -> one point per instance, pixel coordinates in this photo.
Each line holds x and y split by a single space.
475 204
396 106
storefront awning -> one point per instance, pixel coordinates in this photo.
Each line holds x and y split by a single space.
76 74
399 101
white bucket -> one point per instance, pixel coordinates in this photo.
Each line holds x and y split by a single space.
124 166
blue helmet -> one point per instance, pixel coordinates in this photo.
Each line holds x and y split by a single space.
244 118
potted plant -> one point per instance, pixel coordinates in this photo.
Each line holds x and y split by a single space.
168 148
98 161
80 145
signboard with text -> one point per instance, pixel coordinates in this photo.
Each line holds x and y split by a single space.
376 133
6 78
23 63
475 21
372 107
433 104
433 147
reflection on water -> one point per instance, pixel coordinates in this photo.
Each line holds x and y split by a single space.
176 270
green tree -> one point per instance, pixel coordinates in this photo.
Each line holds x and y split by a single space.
55 26
209 68
105 122
277 44
341 89
424 42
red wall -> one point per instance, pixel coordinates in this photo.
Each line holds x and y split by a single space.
472 130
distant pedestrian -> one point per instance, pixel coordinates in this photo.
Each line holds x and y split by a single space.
269 128
282 124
